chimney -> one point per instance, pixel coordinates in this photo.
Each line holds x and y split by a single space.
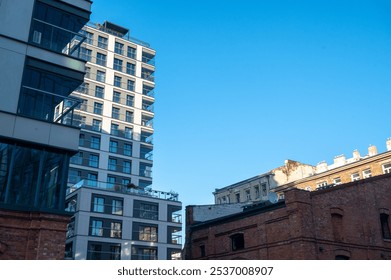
339 160
356 155
388 143
321 167
372 150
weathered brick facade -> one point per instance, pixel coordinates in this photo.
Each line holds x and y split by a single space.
339 222
32 235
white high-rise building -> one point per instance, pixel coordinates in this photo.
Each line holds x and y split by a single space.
118 215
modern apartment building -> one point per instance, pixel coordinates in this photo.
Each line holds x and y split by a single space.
40 66
118 215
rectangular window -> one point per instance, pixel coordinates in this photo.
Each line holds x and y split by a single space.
102 42
355 176
321 184
125 182
132 52
96 125
112 164
93 161
116 207
146 210
237 197
117 64
264 189
237 241
256 190
129 116
110 181
95 142
148 90
99 92
130 68
117 81
98 108
77 159
148 233
116 230
101 59
98 204
129 100
89 36
385 226
144 253
248 195
100 76
115 113
92 180
386 168
337 181
119 48
81 140
367 173
127 149
116 97
96 228
114 129
128 132
127 167
85 54
113 146
130 85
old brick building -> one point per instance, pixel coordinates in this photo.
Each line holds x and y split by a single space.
347 221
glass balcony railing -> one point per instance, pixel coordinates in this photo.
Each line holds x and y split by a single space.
57 39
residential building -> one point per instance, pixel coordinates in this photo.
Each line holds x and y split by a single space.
258 187
118 215
347 221
344 170
40 66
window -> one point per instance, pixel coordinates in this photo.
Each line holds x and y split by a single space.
115 230
116 207
96 125
89 36
85 54
110 181
321 184
116 96
117 81
127 167
115 252
113 148
129 100
264 189
355 176
146 210
83 88
100 76
147 90
96 227
101 59
132 52
93 161
130 85
202 251
117 64
114 129
256 190
129 116
102 42
98 108
99 91
88 72
148 233
92 180
128 132
237 197
103 251
237 241
112 164
98 204
141 253
119 48
95 142
385 226
81 140
367 173
130 68
125 182
386 168
127 149
337 181
115 113
248 195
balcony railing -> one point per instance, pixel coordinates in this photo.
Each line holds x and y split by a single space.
126 189
55 38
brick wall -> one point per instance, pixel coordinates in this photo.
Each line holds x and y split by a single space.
32 236
340 221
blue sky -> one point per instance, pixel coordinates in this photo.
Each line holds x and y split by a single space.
243 85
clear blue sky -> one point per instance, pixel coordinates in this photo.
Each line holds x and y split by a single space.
243 85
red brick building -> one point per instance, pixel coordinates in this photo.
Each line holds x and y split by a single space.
348 221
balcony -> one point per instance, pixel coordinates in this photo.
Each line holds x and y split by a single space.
56 39
125 189
148 58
